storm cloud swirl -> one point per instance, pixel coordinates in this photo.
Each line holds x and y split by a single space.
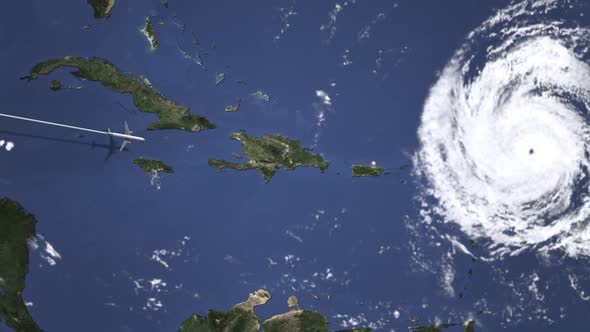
505 131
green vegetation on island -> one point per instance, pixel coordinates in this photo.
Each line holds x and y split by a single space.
145 97
55 85
240 317
269 153
262 95
366 170
17 229
153 166
102 8
150 34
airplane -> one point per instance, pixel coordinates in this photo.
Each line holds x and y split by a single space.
127 137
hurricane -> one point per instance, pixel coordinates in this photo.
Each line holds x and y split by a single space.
504 136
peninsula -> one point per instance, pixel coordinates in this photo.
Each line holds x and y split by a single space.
102 8
241 317
17 229
269 153
145 97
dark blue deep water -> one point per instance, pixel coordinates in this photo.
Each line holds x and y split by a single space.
320 233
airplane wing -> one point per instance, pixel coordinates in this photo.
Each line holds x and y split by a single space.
127 131
125 142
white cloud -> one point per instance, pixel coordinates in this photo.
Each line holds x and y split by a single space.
504 158
324 96
48 252
285 14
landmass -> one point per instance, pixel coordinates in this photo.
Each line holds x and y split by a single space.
150 34
153 166
102 8
145 97
269 153
296 320
17 228
240 317
468 326
366 170
261 94
55 85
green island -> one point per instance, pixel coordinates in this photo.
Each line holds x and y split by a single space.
55 85
102 8
150 34
17 228
153 166
366 170
269 153
145 97
241 317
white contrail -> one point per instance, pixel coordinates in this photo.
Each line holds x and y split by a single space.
125 136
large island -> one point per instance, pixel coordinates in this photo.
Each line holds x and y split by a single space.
17 228
153 166
145 97
366 170
268 153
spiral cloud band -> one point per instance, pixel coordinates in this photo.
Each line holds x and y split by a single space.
505 132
